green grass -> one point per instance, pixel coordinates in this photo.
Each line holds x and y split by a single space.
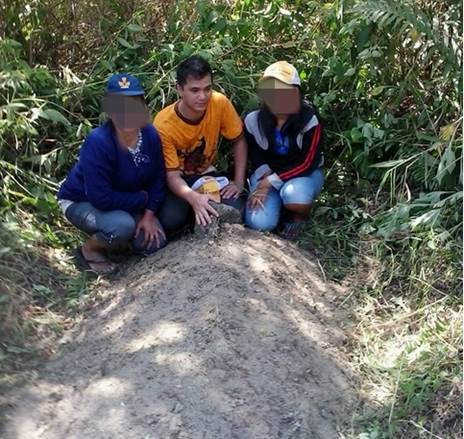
405 299
40 288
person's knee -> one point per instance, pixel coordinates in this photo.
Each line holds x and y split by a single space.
293 194
300 193
173 214
83 215
118 227
261 220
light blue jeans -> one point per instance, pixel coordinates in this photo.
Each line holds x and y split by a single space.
299 190
113 227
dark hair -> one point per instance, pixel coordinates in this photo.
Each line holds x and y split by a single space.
294 124
194 66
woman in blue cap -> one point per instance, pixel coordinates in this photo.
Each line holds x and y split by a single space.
285 153
114 190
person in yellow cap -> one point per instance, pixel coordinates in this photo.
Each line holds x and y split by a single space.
284 147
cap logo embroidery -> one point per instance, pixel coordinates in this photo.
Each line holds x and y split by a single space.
284 71
124 83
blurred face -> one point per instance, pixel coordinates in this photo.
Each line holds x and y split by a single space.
196 93
283 100
128 113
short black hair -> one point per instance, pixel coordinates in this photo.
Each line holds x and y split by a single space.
194 66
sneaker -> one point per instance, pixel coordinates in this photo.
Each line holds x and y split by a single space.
292 230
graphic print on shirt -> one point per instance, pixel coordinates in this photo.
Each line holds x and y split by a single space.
194 160
281 142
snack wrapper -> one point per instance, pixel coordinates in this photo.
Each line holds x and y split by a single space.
211 185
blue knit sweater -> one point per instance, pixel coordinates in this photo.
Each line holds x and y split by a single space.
106 175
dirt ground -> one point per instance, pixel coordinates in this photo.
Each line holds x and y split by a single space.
233 338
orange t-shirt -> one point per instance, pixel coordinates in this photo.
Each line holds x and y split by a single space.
192 147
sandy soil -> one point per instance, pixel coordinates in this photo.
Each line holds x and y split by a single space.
233 338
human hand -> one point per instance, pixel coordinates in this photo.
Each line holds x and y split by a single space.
232 190
258 196
153 233
201 207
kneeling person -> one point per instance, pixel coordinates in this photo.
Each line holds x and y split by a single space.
190 130
285 154
114 190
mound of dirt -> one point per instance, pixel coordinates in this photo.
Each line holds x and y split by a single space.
237 338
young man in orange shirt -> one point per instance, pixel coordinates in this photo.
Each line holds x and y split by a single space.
190 130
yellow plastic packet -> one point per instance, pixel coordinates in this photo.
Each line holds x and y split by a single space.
211 185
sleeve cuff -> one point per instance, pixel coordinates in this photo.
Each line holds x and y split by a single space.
236 138
144 199
259 172
153 206
275 180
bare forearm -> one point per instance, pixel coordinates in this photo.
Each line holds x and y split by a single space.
178 186
240 160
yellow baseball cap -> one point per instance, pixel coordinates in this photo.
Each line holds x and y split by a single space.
283 72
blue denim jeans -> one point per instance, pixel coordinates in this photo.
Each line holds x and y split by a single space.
300 190
114 227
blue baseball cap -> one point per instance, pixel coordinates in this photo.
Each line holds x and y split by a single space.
124 84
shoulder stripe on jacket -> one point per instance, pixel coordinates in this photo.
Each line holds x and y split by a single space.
309 157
